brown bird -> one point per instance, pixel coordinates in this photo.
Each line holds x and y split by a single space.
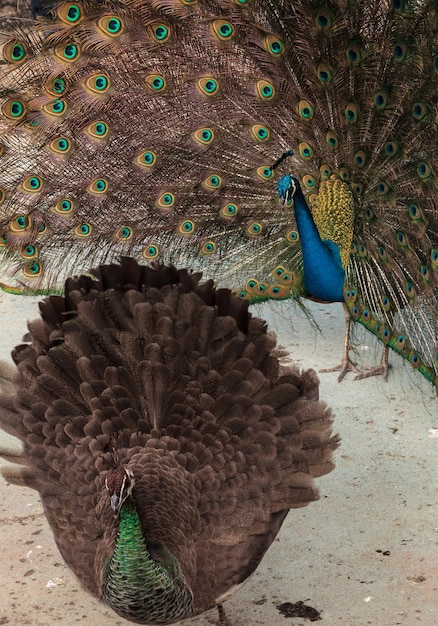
164 436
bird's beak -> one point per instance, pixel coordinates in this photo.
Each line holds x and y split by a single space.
116 503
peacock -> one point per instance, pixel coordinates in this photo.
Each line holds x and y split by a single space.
164 435
287 149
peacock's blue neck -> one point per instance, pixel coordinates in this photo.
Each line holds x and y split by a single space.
323 272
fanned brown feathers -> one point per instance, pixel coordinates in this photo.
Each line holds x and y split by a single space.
150 127
152 371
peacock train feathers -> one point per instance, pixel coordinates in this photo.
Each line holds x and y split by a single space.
167 129
164 436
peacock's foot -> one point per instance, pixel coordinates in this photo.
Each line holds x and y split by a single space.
223 619
377 370
347 365
374 370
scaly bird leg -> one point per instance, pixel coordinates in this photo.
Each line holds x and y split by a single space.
223 619
377 370
346 364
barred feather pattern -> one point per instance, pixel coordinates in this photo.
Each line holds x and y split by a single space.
154 373
150 128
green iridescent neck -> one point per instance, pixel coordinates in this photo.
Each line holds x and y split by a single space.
141 588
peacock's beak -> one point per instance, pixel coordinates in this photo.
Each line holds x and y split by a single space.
116 503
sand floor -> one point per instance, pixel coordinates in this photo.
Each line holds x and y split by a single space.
366 553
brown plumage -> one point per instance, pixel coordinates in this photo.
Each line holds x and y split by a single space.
148 397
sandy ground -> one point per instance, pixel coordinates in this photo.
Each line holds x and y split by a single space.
366 553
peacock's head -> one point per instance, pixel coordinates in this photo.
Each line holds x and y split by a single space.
119 483
287 187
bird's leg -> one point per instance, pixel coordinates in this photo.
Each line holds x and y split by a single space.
346 364
223 619
377 370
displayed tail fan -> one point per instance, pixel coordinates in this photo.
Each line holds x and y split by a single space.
161 129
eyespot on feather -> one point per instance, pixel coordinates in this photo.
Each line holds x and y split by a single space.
68 52
98 186
147 159
274 46
212 182
186 228
160 32
15 52
229 211
97 83
97 130
111 25
70 12
223 30
55 86
20 223
83 230
265 91
60 146
156 83
151 251
64 207
33 268
209 247
203 137
124 233
14 109
29 251
254 229
32 184
56 108
260 133
265 172
166 200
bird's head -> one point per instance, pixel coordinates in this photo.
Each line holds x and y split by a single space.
287 187
119 483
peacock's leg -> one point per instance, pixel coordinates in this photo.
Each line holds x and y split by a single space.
346 364
377 370
223 619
